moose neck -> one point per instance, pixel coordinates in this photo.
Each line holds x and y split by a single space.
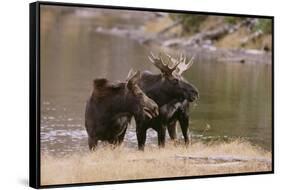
123 104
153 85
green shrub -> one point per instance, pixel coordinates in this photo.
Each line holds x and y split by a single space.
233 20
190 22
264 25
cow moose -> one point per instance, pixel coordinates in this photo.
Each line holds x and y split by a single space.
112 105
172 93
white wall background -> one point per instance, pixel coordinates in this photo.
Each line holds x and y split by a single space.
14 54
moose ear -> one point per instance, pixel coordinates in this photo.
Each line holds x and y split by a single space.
99 83
132 78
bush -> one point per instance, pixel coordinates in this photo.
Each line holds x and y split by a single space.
265 25
190 22
233 20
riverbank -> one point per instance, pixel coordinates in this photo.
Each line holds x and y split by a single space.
224 39
107 164
237 45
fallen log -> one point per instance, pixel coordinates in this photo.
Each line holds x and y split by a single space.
210 160
222 159
166 29
215 34
161 32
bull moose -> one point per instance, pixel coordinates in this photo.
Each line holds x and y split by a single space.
111 107
172 93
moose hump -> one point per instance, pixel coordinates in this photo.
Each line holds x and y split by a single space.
102 87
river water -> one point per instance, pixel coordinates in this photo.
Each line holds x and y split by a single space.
235 99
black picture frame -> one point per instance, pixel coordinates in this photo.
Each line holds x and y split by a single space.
34 93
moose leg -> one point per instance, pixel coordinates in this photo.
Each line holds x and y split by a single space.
172 130
92 142
113 142
184 123
161 136
167 111
121 137
141 136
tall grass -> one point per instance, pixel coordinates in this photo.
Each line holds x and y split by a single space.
107 164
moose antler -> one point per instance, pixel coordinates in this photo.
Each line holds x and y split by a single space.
160 63
133 76
178 65
183 66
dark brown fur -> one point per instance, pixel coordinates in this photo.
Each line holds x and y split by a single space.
172 96
111 107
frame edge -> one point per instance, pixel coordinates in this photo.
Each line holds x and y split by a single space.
34 144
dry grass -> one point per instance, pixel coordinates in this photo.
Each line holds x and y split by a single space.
107 164
234 40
